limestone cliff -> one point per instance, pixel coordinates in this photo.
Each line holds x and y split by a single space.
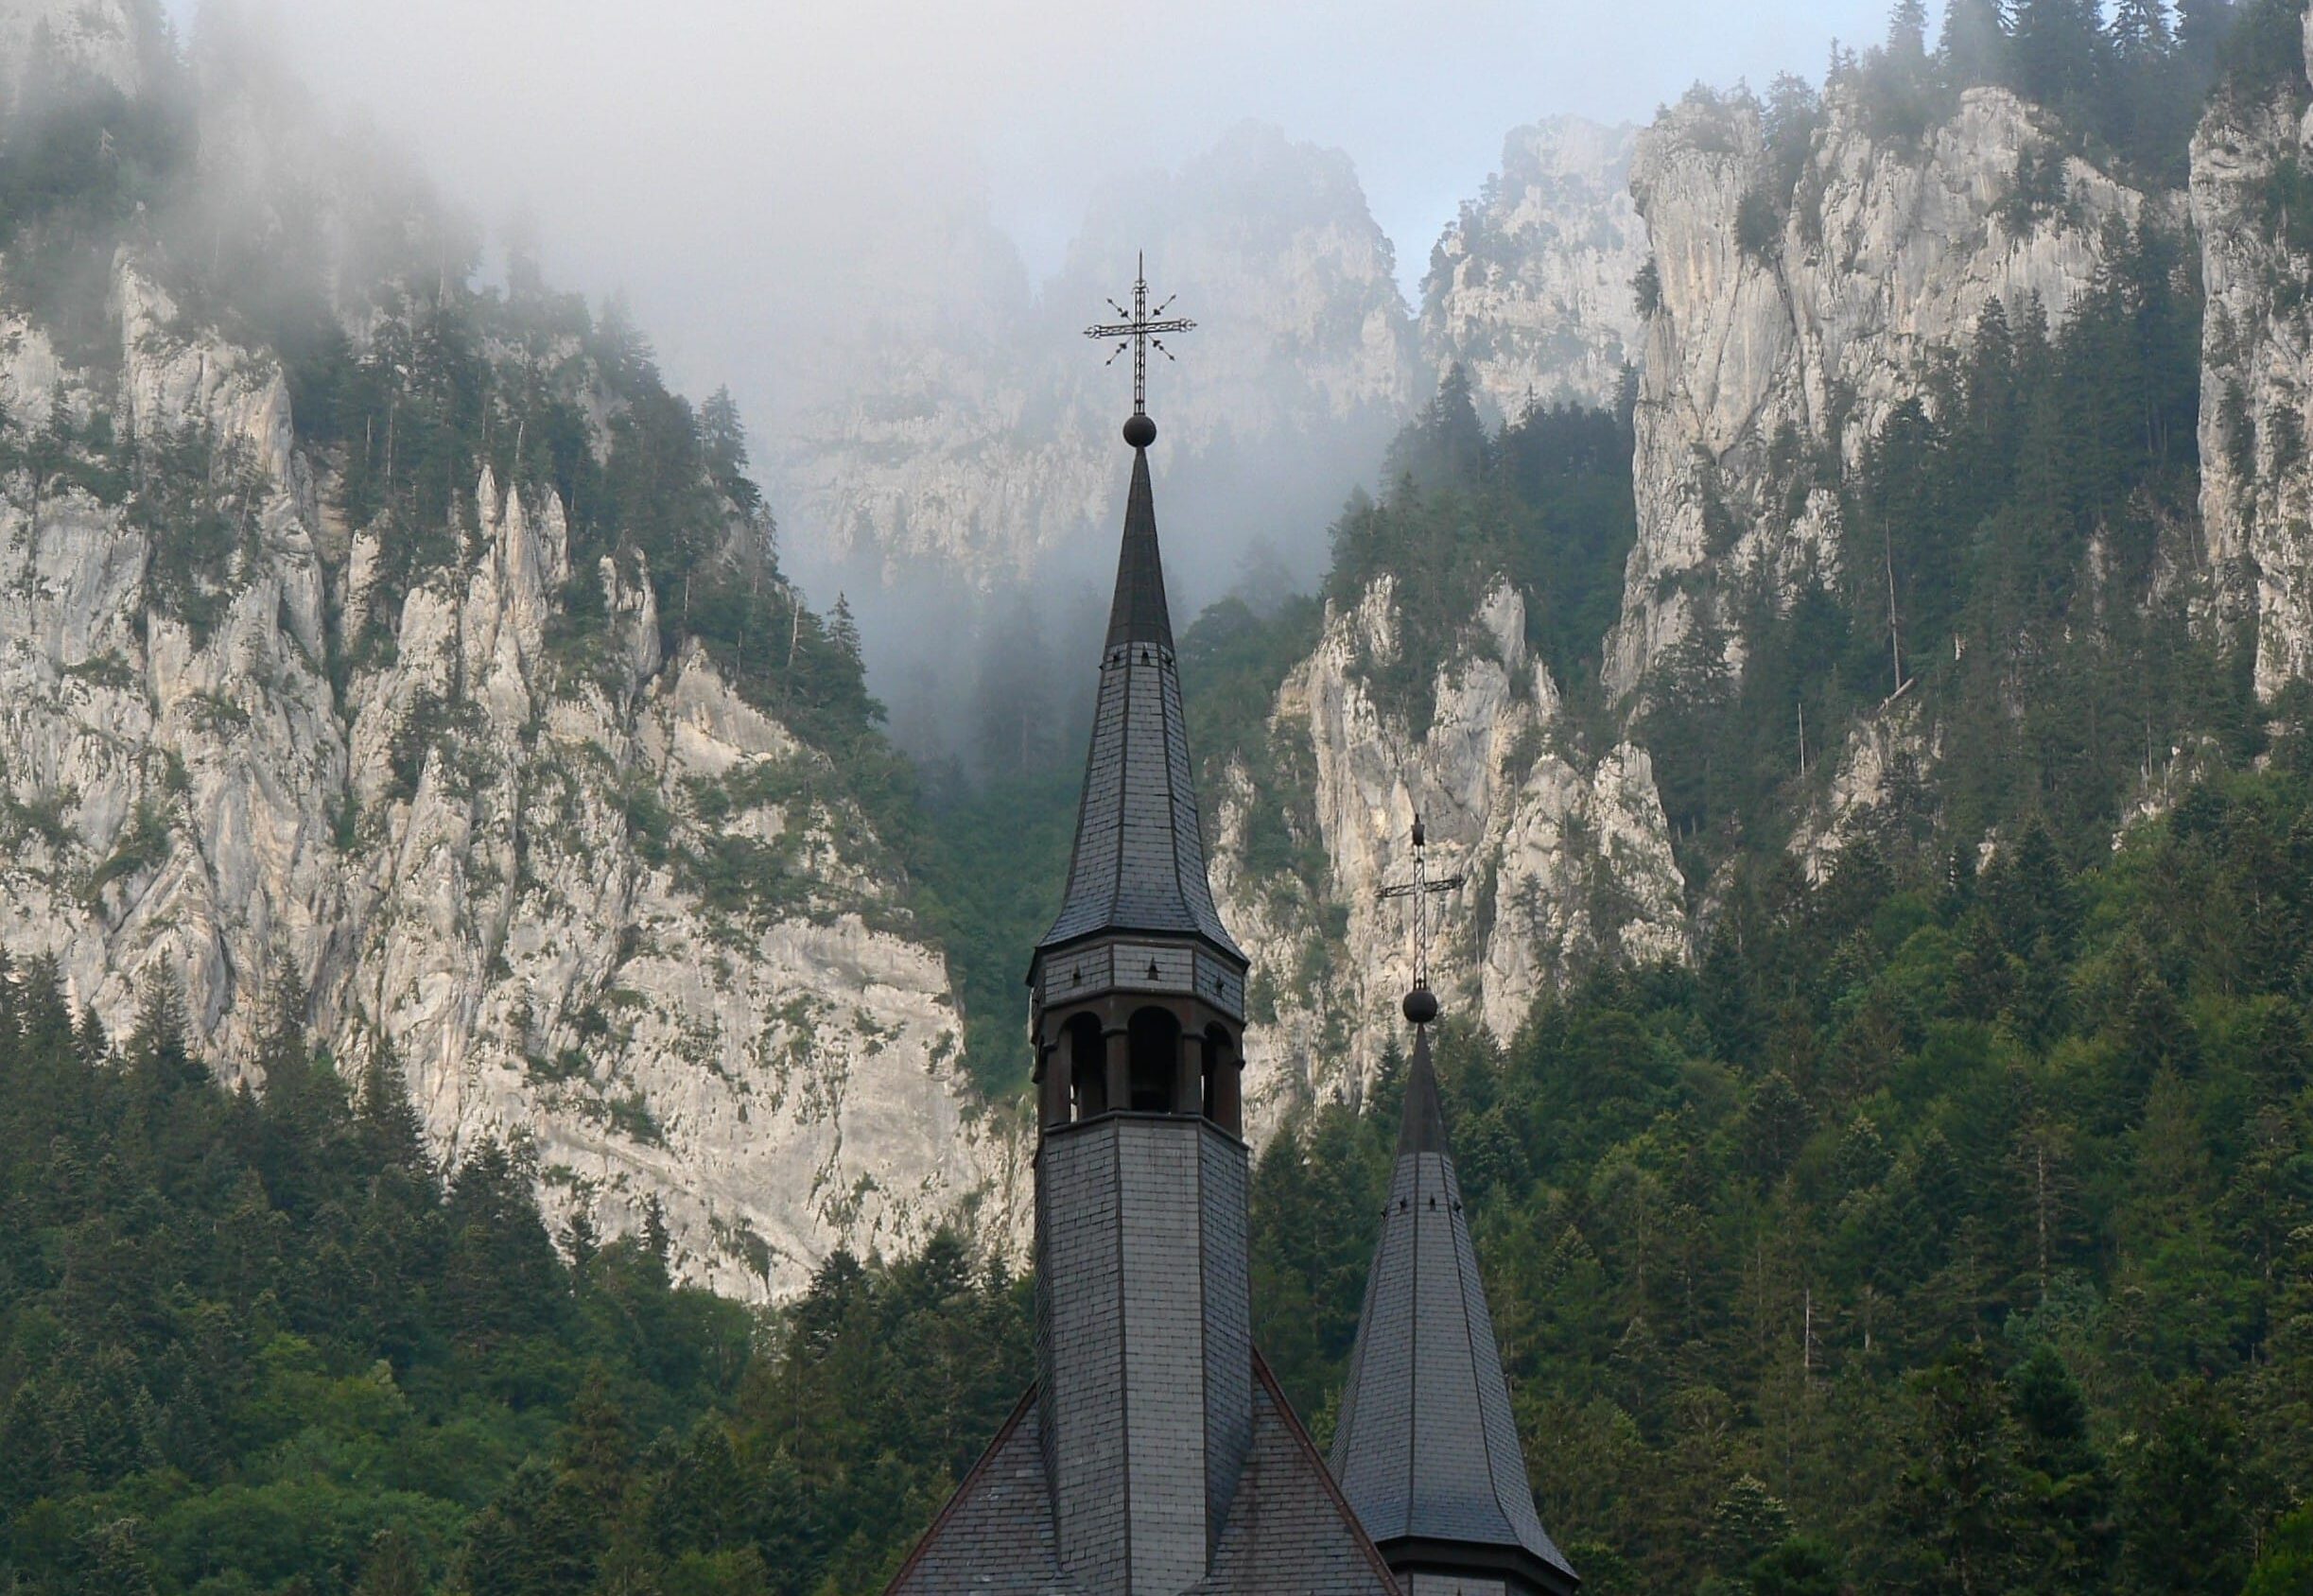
1566 856
1793 311
984 440
2252 208
1530 287
116 43
456 810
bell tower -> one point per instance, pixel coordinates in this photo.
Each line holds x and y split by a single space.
1155 1455
1144 1355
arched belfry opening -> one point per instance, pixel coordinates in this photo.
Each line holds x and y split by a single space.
1221 1082
1083 1057
1153 1060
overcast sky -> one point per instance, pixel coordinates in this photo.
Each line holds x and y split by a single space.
742 168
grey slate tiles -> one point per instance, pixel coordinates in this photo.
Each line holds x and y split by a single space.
1427 1450
995 1536
1289 1532
1140 859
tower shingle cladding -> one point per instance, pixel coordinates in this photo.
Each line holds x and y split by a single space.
1426 1449
1146 1350
1226 1264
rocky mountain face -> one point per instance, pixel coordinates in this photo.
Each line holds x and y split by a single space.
983 443
1565 857
2253 209
112 42
1530 289
1792 309
467 813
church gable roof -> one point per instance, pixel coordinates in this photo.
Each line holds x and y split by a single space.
995 1536
1289 1527
1427 1450
1138 864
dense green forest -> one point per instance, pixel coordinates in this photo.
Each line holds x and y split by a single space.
262 1344
1937 1232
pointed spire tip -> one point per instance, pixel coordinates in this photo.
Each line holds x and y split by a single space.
1423 1129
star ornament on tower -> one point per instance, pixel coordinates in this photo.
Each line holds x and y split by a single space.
1141 330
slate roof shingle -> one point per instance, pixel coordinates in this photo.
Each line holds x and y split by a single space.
1290 1531
1138 863
995 1536
1427 1450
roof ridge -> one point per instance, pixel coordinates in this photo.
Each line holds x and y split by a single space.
1308 1448
963 1487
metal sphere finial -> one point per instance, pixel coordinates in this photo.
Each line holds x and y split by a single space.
1140 431
1421 1005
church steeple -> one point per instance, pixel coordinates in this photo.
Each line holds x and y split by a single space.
1155 1455
1426 1449
1139 989
1138 866
1144 1351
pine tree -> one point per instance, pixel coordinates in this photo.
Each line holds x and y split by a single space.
1961 1496
2140 30
723 438
1974 43
1907 30
392 1137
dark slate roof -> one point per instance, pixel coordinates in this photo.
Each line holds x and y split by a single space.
1422 1128
1137 613
1426 1450
1289 1527
1140 859
995 1536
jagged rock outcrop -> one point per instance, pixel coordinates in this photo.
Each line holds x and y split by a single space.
2252 208
1566 858
1796 311
1530 289
985 440
109 41
586 897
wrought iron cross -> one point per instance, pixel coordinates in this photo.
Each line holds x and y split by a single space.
1420 888
1139 331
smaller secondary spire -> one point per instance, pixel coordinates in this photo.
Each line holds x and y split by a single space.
1426 1449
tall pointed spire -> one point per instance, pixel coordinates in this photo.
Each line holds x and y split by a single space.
1423 1127
1426 1450
1138 864
1137 613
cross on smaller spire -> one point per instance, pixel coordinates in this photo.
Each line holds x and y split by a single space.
1421 889
1139 329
